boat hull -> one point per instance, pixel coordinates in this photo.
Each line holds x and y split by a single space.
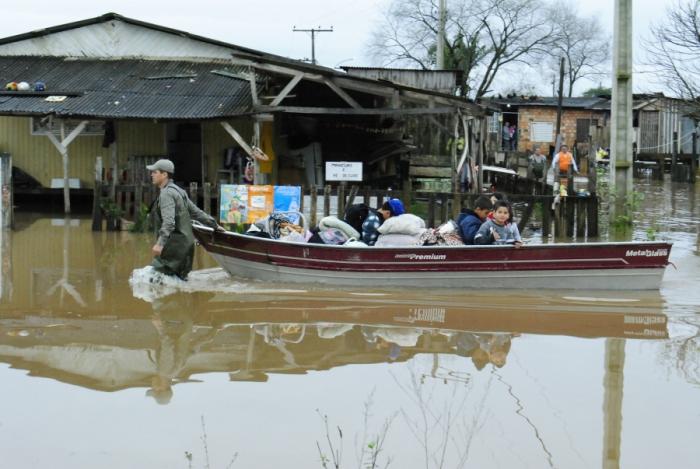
591 266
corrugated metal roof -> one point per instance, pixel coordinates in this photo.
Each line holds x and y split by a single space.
121 89
575 102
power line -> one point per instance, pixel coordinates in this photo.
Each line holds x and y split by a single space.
313 32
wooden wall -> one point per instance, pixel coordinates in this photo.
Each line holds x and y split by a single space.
35 154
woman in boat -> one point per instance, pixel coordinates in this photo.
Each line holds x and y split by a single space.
498 230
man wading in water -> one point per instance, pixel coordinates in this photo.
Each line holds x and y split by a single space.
173 213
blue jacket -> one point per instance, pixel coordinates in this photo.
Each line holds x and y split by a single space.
469 223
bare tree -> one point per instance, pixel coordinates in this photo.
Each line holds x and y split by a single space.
582 43
482 38
674 50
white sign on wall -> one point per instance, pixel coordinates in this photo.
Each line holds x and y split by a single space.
343 171
541 132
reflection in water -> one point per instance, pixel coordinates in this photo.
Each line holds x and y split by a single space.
475 378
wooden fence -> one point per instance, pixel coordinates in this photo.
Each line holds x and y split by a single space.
570 216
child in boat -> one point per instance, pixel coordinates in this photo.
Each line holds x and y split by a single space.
470 221
498 230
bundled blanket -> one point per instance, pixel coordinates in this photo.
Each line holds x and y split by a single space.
444 235
406 224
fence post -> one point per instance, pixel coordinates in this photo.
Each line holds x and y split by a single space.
581 204
193 192
592 216
546 217
206 194
97 196
326 200
313 205
694 159
431 209
341 200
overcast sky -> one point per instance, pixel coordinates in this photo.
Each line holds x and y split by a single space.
267 24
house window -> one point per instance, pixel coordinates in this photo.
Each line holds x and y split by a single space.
542 132
38 127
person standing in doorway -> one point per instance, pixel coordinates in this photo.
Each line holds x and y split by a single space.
506 135
172 214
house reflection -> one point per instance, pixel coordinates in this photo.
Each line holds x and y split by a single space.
159 345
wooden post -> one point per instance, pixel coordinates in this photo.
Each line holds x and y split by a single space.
115 171
456 204
674 157
581 204
207 198
313 205
592 216
431 210
301 202
570 216
352 195
97 196
558 215
444 210
546 217
694 159
366 196
326 200
127 203
341 200
592 172
193 192
138 197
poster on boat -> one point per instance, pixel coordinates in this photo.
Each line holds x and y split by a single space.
233 205
288 199
260 202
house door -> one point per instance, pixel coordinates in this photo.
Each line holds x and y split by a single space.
185 150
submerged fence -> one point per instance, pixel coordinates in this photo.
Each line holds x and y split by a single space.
561 216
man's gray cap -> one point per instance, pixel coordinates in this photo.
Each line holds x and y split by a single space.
162 165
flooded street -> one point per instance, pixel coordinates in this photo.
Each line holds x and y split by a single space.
229 373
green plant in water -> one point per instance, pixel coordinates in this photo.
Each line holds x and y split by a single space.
141 221
110 208
651 234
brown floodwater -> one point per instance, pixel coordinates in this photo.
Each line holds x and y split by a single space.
96 372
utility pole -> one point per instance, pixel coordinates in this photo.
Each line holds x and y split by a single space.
313 32
440 59
560 103
621 147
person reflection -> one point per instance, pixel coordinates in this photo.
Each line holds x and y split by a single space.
391 339
172 319
483 348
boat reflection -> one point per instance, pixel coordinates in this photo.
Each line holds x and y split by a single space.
177 337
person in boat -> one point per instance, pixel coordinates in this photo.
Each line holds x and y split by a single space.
172 213
470 221
563 161
498 230
367 220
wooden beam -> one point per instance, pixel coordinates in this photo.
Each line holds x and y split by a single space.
340 92
427 171
355 112
253 87
287 89
237 137
364 86
62 148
